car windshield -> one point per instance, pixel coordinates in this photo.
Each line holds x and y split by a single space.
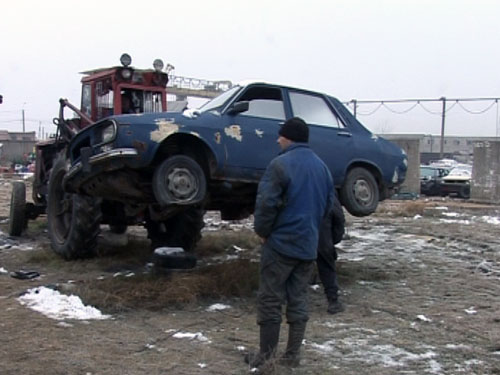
220 100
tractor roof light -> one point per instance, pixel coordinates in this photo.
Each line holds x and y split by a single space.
158 65
126 74
125 59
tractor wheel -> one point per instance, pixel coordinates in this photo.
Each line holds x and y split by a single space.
179 180
73 219
360 194
17 217
182 230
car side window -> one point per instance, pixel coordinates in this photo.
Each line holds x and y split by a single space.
314 110
264 102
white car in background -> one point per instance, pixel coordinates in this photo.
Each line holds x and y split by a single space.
457 182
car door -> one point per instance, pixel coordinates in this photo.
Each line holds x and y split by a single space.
250 136
332 141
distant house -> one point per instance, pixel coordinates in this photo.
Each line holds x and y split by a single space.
16 146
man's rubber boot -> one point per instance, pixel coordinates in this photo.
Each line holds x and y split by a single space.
269 337
334 306
296 333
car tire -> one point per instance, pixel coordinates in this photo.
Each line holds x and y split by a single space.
17 216
360 194
182 230
179 180
464 192
73 219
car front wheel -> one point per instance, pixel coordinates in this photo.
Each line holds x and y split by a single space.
360 193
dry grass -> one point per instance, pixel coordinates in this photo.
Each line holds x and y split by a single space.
173 289
405 208
219 242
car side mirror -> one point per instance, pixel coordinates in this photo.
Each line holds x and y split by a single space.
239 107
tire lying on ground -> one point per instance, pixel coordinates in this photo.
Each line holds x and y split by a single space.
359 194
73 219
17 217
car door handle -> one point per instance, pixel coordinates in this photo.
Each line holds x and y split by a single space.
344 134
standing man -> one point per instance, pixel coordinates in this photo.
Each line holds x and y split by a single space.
294 195
331 233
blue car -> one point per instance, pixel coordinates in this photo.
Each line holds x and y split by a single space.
165 169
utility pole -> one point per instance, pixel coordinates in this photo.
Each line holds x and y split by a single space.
23 121
443 116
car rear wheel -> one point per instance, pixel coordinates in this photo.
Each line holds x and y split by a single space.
17 217
360 194
179 180
73 219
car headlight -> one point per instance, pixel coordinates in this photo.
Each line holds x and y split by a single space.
108 133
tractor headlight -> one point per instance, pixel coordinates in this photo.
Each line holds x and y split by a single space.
126 73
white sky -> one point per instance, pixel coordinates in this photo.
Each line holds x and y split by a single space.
385 49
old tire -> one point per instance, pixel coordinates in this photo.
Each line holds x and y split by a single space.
73 219
17 217
182 230
118 228
179 180
360 194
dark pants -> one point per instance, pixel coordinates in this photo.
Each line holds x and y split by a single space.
282 280
327 273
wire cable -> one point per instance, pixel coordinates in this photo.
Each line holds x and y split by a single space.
371 112
399 112
429 111
476 112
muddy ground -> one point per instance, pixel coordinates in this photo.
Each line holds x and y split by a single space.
420 281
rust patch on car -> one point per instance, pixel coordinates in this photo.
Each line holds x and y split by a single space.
234 131
217 138
165 129
140 146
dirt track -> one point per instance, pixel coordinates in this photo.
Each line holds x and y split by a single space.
422 293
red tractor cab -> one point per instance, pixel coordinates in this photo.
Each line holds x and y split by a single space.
105 92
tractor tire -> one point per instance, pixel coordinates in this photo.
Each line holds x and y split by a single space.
179 180
17 218
360 194
182 230
73 219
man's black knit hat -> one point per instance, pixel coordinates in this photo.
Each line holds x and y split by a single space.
295 129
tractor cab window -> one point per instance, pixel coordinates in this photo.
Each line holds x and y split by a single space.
104 99
87 100
138 101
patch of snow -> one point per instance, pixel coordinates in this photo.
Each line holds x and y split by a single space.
423 318
471 310
450 221
241 348
416 217
315 287
490 220
457 346
3 270
202 365
191 336
451 214
162 251
59 306
444 208
218 307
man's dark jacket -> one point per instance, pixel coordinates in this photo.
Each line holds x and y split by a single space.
294 195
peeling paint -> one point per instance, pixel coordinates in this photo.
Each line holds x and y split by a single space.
217 138
195 134
395 176
165 128
259 133
375 137
234 131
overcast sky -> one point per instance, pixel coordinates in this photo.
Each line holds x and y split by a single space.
384 49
